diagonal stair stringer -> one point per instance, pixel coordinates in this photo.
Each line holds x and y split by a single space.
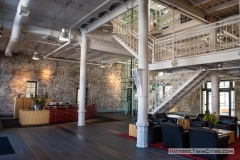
187 91
157 107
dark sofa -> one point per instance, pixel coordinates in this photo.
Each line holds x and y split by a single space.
154 132
227 123
173 136
198 122
207 138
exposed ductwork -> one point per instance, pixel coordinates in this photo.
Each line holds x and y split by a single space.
22 10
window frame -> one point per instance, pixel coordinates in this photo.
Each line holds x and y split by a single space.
31 87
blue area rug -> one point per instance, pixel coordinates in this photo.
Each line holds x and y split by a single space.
5 146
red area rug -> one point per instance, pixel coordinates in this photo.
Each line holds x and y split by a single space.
235 156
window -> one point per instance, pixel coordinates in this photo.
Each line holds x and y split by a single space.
31 88
226 97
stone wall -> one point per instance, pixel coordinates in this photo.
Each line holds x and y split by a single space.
60 80
105 89
237 98
191 104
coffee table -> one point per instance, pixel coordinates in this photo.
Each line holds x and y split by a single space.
224 132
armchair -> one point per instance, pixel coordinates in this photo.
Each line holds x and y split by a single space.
227 123
154 132
162 117
151 117
207 138
198 122
173 136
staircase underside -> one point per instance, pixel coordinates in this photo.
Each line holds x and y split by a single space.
125 45
178 96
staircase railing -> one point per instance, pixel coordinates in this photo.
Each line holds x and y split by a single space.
170 86
130 38
217 37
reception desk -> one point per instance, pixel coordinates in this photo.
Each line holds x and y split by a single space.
31 117
62 113
54 114
23 103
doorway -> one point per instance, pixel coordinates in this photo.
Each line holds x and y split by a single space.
226 98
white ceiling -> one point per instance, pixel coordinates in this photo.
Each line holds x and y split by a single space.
41 29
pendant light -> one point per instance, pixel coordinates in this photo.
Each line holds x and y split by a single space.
103 64
64 35
35 56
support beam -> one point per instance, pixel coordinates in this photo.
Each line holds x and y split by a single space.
210 58
180 27
184 8
215 94
109 49
115 13
82 83
222 6
199 2
142 121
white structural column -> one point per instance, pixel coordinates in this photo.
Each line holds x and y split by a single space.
142 122
215 93
82 83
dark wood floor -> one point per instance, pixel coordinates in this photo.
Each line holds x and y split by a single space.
95 141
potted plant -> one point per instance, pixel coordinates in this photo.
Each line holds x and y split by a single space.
19 95
210 118
40 102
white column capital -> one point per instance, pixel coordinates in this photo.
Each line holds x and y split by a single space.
83 32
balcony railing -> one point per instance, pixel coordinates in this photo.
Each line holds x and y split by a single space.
209 39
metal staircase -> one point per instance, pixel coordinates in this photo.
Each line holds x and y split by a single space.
215 38
175 89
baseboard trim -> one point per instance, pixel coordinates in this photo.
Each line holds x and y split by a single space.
109 111
6 113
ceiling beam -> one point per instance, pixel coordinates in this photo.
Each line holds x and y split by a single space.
98 55
198 2
111 50
113 14
184 8
222 6
180 27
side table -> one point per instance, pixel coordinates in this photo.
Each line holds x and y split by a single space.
133 130
184 122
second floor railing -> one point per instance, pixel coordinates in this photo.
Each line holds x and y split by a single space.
208 39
